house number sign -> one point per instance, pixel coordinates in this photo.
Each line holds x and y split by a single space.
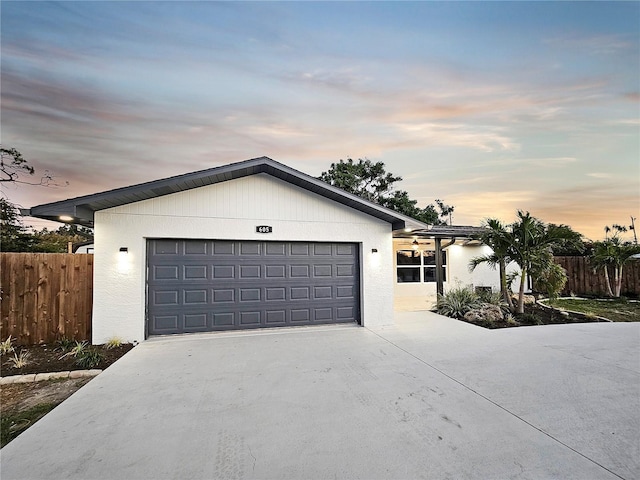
264 229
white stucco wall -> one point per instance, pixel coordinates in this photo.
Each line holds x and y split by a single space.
229 210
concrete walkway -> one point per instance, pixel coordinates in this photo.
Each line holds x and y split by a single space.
428 398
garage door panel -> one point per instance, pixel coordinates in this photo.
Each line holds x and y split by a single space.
223 248
223 295
251 249
250 318
299 271
249 271
196 247
345 249
300 315
195 272
223 319
195 321
165 297
276 317
166 247
322 314
249 295
275 271
299 249
300 293
275 293
223 272
221 285
165 272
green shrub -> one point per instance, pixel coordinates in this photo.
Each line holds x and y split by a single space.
89 358
529 319
551 281
78 349
64 345
457 301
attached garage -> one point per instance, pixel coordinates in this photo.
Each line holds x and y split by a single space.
253 244
209 285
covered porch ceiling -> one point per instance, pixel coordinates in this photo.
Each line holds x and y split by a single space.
456 234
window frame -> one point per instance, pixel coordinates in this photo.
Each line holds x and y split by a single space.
421 266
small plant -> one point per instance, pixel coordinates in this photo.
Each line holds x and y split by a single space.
6 346
113 342
76 350
510 320
89 358
20 360
64 345
456 302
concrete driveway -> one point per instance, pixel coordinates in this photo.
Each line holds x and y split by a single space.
428 398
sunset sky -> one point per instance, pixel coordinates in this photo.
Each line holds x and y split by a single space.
491 107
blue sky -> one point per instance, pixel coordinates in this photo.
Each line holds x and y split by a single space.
492 107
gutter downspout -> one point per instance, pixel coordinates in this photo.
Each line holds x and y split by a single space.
439 279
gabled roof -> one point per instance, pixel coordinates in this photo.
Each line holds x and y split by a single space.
81 209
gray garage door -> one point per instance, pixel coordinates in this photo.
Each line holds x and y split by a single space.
207 285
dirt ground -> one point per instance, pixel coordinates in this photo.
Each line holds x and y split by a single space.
22 396
23 404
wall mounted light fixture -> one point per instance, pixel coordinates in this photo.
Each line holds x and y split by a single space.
124 250
415 244
374 250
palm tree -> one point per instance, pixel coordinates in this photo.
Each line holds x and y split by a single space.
499 240
616 254
532 241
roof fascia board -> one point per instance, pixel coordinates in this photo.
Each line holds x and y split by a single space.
83 208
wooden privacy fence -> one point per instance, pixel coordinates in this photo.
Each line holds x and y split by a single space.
582 280
46 296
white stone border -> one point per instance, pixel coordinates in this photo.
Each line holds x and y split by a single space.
38 377
541 301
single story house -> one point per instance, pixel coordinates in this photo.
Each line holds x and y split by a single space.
257 244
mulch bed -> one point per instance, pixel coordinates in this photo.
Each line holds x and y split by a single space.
46 358
535 314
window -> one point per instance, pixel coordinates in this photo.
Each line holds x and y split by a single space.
429 262
414 266
408 266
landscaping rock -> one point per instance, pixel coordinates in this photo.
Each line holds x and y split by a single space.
487 314
25 378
